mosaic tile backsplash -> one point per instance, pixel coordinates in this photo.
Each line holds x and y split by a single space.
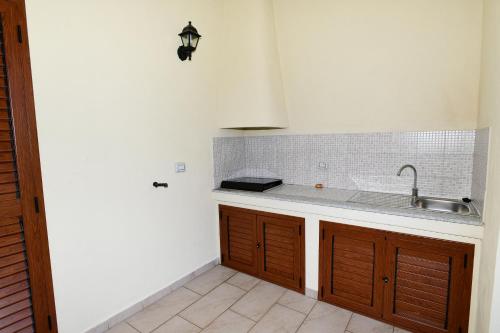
369 162
480 167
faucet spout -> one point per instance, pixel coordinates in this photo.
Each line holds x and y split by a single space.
414 192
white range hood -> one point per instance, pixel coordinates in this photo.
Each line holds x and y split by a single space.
250 93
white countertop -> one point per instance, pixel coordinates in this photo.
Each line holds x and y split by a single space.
392 204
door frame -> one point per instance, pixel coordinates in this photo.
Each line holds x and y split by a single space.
28 164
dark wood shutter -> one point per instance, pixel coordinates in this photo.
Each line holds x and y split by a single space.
280 245
352 267
239 240
429 283
16 312
26 292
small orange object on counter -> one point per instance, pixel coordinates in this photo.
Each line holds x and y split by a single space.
318 186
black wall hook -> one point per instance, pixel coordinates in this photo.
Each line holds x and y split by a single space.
156 184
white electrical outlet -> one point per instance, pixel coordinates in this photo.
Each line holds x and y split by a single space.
323 165
180 167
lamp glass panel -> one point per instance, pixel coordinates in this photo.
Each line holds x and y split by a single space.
194 41
185 40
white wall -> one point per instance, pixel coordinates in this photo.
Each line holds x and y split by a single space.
364 65
115 109
489 115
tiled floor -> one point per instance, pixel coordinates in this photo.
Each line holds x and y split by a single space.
225 301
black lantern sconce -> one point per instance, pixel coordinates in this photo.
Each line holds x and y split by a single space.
190 38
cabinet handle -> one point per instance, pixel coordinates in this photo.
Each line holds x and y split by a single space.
156 184
258 245
385 279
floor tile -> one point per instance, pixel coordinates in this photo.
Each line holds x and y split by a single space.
158 313
212 305
206 282
297 301
230 322
243 281
400 330
279 319
177 325
362 324
326 318
258 300
122 328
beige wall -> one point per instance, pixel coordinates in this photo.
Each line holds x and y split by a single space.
364 65
116 108
490 116
250 90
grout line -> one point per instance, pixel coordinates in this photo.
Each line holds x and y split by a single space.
244 291
208 292
308 313
289 308
258 281
301 323
346 326
128 324
273 304
197 293
229 308
135 328
163 323
189 321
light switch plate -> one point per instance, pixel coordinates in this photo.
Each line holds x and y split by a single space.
180 167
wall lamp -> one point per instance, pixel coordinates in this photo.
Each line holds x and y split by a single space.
189 37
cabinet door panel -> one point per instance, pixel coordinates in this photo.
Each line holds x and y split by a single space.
429 283
351 264
238 232
281 250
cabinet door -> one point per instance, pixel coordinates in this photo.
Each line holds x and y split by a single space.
429 284
351 267
238 237
281 250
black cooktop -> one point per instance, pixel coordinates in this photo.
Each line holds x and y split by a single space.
251 184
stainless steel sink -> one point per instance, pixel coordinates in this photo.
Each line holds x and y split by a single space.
444 205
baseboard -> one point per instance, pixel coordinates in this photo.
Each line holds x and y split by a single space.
139 306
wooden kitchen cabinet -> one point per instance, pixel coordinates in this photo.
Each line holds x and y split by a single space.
268 246
429 284
238 239
352 274
418 283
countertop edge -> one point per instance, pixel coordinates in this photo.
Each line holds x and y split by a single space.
338 211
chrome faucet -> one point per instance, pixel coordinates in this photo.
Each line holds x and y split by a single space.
414 191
